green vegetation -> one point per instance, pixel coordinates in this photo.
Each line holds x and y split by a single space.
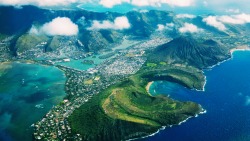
151 65
187 76
125 110
163 63
190 52
28 41
4 67
54 44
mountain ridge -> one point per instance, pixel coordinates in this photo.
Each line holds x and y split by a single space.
186 50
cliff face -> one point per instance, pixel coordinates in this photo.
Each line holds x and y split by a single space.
186 50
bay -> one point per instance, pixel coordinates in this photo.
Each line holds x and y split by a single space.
27 93
226 99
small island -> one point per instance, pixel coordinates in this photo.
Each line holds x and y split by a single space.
88 62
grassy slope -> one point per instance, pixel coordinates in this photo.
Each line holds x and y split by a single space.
189 51
187 76
4 67
92 123
125 110
28 41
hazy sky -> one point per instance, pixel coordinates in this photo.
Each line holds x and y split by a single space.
191 6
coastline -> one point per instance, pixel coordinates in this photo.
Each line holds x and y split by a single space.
4 66
34 75
240 48
202 112
169 126
148 87
204 85
143 137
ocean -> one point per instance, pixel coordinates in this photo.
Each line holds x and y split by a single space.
27 93
226 99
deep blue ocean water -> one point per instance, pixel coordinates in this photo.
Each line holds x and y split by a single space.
226 99
27 93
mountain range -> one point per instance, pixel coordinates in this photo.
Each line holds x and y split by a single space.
17 23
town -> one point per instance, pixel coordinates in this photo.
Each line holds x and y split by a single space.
81 85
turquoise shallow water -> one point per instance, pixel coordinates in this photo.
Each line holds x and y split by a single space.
77 64
95 7
226 99
27 92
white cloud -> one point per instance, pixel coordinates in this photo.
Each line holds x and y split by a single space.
188 16
59 26
122 23
244 17
228 4
111 3
233 10
212 21
219 21
154 3
40 2
142 3
180 3
119 23
191 28
34 30
236 19
205 3
168 26
105 3
158 3
231 20
215 5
